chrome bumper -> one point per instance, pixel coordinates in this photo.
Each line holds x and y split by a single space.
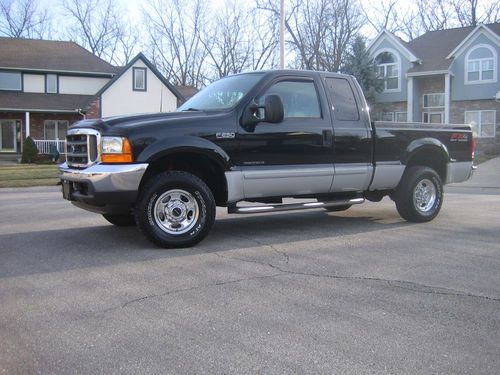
107 178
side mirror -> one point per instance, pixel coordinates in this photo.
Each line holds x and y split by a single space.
272 111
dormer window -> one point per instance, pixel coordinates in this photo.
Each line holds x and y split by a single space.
139 77
388 70
480 64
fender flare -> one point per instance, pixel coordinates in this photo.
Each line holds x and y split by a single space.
171 145
424 144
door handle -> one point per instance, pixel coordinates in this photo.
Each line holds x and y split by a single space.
327 137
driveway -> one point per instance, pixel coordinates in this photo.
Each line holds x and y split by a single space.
359 292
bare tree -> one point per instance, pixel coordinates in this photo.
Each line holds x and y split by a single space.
175 28
24 19
98 25
471 12
239 39
320 31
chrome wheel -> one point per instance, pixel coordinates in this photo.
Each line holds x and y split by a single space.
424 196
176 211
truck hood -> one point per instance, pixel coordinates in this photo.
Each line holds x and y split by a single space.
123 125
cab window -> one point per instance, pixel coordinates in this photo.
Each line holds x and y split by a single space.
300 98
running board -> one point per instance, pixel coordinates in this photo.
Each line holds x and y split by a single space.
292 206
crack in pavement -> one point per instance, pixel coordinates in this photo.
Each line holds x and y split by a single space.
402 284
272 247
175 291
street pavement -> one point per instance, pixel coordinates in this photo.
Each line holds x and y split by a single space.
310 292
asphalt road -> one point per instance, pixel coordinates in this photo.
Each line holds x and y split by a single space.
359 292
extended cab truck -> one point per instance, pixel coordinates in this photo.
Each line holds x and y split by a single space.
258 137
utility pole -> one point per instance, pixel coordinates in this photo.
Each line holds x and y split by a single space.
282 34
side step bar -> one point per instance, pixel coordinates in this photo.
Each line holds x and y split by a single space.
292 206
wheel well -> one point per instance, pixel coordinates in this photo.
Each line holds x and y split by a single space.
434 159
197 164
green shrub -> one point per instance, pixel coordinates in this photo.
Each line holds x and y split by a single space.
30 151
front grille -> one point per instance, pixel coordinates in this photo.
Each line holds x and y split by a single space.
82 148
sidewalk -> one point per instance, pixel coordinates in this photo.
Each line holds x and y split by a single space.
486 180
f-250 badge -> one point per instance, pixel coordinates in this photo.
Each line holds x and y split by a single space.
225 135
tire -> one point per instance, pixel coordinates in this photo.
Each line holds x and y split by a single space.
338 208
419 195
175 209
120 220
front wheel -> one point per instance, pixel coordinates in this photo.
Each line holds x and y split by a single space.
420 194
175 209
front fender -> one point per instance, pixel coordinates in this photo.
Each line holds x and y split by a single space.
164 147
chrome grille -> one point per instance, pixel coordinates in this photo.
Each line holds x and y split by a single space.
82 147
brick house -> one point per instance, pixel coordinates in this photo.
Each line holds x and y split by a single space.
47 85
447 76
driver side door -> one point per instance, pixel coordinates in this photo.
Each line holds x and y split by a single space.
294 157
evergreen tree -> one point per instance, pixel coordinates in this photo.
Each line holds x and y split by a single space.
30 151
359 64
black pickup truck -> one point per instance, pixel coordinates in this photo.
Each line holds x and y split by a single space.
259 137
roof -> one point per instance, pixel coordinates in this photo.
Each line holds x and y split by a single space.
434 46
187 91
50 55
35 102
151 67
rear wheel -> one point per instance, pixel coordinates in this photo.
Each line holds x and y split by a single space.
120 220
420 194
175 209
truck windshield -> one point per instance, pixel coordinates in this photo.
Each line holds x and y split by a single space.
222 94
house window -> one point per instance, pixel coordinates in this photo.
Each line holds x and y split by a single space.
480 65
8 136
433 117
433 100
482 123
55 129
140 79
51 85
401 116
10 81
388 70
387 116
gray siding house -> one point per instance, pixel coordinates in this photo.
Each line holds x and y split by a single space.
447 76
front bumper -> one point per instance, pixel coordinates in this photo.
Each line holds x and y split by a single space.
102 188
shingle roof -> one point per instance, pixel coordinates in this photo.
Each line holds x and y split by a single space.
187 91
434 46
50 55
34 102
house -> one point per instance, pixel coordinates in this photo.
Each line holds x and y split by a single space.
47 85
446 76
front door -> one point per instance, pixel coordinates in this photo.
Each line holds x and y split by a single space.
8 136
294 157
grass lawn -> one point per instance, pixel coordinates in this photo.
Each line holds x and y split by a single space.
25 175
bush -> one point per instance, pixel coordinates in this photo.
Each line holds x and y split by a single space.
30 151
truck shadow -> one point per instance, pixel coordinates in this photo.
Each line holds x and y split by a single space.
105 245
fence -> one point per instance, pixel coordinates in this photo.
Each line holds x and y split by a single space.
45 145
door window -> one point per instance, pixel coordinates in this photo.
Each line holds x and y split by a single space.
55 129
344 103
300 99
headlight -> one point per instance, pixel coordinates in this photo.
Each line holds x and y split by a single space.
115 150
112 145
